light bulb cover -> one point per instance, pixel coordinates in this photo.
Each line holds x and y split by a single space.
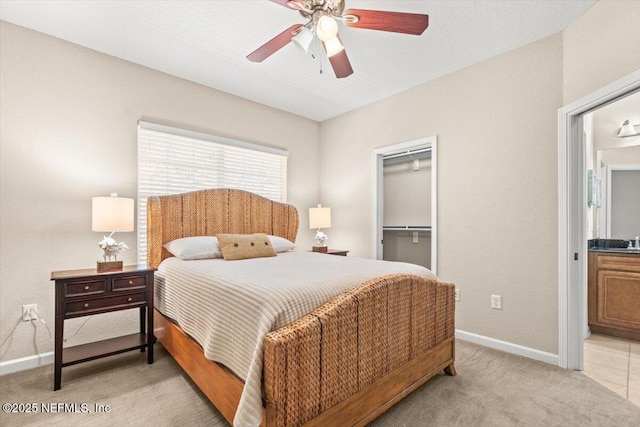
303 39
327 28
333 46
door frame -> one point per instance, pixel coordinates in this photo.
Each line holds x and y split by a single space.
572 242
378 200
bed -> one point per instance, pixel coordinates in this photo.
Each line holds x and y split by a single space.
343 363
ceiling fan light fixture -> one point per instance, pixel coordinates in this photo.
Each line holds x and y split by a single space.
322 17
327 28
627 129
303 39
333 46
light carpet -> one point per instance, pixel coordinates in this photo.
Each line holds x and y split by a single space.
492 388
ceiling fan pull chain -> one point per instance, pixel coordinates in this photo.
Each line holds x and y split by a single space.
318 48
314 48
314 52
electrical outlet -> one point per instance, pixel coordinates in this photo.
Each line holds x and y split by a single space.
415 237
29 312
457 294
496 302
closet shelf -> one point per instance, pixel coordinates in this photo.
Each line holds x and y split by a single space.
406 228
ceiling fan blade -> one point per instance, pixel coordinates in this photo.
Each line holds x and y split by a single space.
286 4
341 65
274 45
396 22
340 62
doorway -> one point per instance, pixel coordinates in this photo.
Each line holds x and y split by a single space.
613 220
572 223
412 153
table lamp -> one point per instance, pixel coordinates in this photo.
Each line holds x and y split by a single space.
320 217
111 214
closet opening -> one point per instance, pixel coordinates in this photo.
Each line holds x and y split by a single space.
405 203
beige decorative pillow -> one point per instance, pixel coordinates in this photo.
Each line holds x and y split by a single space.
244 246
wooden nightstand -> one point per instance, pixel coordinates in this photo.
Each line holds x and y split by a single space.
334 252
87 292
337 252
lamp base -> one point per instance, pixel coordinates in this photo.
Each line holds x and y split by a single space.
322 249
104 266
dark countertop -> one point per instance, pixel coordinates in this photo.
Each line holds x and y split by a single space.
619 246
616 250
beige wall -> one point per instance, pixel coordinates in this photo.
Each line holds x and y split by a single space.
601 47
621 156
69 119
400 246
407 193
496 124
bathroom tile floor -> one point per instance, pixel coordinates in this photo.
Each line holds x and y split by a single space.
614 363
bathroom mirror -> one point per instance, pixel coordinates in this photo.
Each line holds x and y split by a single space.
613 170
619 210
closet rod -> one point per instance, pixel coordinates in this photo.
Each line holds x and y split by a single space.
406 153
406 228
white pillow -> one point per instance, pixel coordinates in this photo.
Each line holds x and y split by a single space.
280 244
196 247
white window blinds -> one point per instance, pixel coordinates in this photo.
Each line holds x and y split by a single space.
172 160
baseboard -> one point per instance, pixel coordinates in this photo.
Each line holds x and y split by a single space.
508 347
30 362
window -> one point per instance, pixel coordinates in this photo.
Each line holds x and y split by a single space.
172 160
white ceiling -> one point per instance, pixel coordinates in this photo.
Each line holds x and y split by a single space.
207 42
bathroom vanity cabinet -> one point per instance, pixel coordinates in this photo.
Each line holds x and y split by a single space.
614 293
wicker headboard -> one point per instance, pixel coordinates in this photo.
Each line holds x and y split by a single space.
209 212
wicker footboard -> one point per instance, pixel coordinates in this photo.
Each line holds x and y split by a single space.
357 355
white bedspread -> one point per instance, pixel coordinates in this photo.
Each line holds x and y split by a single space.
228 307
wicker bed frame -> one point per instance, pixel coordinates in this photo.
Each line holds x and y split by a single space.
345 363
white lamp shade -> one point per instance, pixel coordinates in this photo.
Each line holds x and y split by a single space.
319 217
333 46
303 39
112 213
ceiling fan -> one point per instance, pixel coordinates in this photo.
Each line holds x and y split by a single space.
323 16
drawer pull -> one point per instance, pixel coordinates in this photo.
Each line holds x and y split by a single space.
129 299
86 288
131 282
86 305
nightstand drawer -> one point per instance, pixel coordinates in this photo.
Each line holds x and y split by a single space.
101 304
128 283
85 288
